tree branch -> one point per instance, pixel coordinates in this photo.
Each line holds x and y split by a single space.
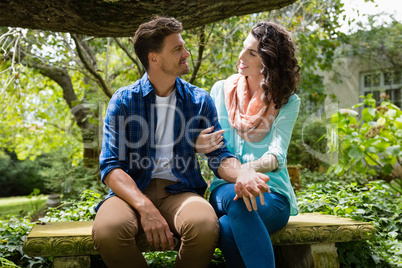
133 59
201 47
88 52
98 78
120 18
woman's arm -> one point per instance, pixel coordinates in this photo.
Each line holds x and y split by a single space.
282 133
265 164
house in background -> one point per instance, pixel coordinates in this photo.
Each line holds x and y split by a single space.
368 62
351 78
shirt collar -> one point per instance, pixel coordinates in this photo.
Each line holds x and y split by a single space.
146 86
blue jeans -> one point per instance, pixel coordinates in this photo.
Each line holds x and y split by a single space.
244 235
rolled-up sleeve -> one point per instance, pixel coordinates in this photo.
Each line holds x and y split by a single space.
113 154
282 133
217 156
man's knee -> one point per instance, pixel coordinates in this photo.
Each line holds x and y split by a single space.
113 233
114 224
200 224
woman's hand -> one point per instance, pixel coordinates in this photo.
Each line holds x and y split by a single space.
208 142
249 185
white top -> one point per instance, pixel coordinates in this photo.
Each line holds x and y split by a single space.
164 137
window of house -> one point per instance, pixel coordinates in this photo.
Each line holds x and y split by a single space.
387 81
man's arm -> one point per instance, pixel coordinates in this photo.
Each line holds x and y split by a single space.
114 162
154 225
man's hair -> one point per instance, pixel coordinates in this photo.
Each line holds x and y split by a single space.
150 36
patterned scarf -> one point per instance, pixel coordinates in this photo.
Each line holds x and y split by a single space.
249 115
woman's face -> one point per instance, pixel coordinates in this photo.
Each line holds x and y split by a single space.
250 62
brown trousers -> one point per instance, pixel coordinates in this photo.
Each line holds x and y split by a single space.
188 214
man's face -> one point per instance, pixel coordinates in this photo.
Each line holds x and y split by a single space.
173 57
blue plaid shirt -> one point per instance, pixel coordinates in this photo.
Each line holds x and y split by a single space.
129 135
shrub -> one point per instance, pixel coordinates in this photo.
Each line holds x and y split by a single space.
17 177
372 144
13 231
307 136
75 210
4 263
374 203
64 178
308 177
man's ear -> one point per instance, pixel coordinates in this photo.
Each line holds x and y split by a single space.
152 57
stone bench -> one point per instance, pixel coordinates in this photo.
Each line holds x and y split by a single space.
309 236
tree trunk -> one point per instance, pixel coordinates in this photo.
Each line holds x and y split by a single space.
120 18
80 112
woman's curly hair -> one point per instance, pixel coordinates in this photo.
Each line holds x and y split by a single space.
280 66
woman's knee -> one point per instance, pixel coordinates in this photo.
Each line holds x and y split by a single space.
223 193
225 232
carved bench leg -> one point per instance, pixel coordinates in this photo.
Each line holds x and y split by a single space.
72 262
325 255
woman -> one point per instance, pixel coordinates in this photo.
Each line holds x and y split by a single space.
257 109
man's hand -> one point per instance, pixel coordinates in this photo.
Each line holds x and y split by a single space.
249 185
156 228
208 142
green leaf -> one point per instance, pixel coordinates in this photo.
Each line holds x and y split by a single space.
372 150
339 170
393 150
372 159
368 114
387 169
356 153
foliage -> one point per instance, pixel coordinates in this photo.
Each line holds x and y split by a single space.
13 231
379 46
374 203
308 177
63 177
7 264
75 210
18 177
372 144
159 259
305 138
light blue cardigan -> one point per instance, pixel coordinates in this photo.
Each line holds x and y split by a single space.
276 142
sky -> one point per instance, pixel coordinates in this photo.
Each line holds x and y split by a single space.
352 7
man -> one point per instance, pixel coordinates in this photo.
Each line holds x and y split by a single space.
148 158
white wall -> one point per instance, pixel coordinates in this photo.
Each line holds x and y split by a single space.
344 81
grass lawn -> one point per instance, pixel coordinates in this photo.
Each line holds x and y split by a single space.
21 204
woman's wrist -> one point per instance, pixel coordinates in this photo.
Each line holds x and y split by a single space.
265 164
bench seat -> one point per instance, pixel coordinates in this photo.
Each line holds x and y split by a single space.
70 243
